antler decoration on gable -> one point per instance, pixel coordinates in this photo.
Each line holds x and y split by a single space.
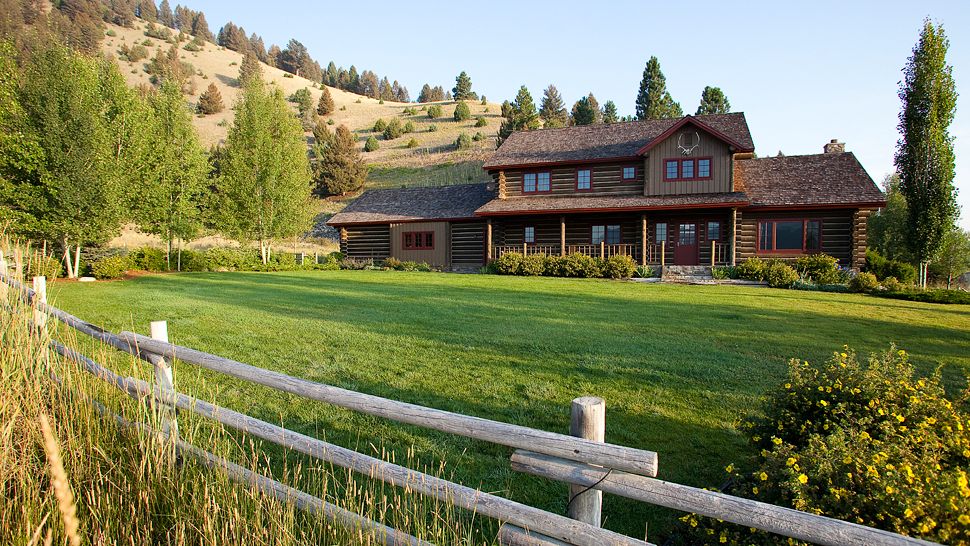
687 147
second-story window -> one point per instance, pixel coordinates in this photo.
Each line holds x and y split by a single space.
703 168
543 182
536 182
529 182
687 169
530 234
629 173
584 179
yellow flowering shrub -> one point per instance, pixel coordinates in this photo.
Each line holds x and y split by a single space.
868 442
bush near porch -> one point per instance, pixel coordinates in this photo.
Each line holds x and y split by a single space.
571 265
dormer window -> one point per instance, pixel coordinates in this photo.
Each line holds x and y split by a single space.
584 179
536 182
677 170
629 173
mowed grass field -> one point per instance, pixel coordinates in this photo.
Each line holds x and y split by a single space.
676 364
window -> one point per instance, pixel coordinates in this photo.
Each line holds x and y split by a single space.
606 234
629 173
530 234
687 169
418 240
703 168
584 179
789 236
660 232
535 182
713 231
599 235
688 235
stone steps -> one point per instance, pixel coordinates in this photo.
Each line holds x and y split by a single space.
687 274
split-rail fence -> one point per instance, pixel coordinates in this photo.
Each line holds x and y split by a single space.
583 459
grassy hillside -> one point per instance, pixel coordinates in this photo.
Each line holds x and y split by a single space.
214 64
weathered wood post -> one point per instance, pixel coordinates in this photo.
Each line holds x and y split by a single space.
588 421
562 235
165 382
525 249
713 251
643 239
40 297
603 249
663 253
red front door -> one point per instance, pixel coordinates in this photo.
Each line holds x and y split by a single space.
685 253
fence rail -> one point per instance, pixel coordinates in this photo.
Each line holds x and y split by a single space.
582 460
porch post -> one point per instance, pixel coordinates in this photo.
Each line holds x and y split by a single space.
643 239
734 235
488 240
562 235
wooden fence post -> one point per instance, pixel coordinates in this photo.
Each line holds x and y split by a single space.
165 382
603 249
713 251
40 297
589 422
663 253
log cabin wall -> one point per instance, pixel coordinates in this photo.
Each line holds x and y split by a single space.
837 239
439 255
366 242
467 244
721 166
607 179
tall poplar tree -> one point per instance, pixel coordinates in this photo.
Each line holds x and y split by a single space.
924 152
653 99
713 101
264 183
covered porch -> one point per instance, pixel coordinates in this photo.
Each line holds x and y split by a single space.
704 237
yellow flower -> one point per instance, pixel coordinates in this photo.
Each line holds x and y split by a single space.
763 476
908 513
847 459
791 461
729 468
723 539
931 420
802 479
776 440
900 418
843 355
889 489
964 519
864 435
754 490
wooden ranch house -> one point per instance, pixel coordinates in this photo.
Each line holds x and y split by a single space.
683 192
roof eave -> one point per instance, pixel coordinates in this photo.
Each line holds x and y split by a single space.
738 147
612 159
613 209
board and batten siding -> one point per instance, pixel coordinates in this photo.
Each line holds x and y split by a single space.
836 232
365 242
709 146
607 179
438 256
467 244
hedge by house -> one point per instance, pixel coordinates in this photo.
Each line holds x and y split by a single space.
570 265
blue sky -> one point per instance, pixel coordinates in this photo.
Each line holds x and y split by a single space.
803 73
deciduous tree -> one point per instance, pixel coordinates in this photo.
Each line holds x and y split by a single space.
888 227
653 100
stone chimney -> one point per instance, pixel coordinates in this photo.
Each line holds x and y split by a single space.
834 147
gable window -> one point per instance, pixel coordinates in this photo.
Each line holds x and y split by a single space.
660 232
535 182
530 234
629 173
609 234
418 240
584 179
713 231
789 236
676 170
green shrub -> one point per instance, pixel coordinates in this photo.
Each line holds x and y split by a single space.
810 286
413 143
533 265
891 284
111 33
866 442
44 266
928 296
882 267
820 268
581 265
724 272
619 267
509 263
752 269
392 263
191 260
463 142
149 259
380 125
111 267
229 259
480 121
371 145
136 53
462 112
555 266
355 264
393 129
409 127
863 282
434 111
646 272
479 136
780 275
432 128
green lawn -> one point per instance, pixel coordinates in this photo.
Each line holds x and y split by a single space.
676 364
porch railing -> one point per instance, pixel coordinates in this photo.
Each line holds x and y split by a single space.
719 253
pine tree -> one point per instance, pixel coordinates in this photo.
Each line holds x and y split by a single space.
165 15
653 100
520 115
924 153
200 28
273 54
425 94
249 70
713 101
462 112
210 102
339 167
325 104
264 187
463 87
258 48
332 74
610 115
147 10
552 109
586 111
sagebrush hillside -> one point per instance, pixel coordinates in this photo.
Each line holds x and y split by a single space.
215 64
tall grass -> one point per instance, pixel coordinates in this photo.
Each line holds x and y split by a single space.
70 473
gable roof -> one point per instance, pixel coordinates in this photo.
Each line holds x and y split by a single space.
414 204
608 141
806 180
608 203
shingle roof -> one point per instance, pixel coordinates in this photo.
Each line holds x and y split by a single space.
603 141
414 204
557 204
820 179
